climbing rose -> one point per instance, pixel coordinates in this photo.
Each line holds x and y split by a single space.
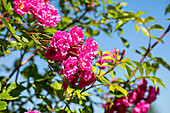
60 44
141 107
69 67
76 34
86 78
90 47
152 94
21 6
32 111
85 62
46 14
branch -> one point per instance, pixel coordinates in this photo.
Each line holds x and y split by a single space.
149 49
24 62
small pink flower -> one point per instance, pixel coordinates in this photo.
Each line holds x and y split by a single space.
21 6
32 111
113 80
46 14
152 94
141 107
76 34
60 45
85 62
90 47
86 78
69 67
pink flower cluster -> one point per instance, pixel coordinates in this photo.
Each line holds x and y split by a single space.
112 53
76 58
45 13
32 111
136 97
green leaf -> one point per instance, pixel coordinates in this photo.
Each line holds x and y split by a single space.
100 51
9 8
157 39
139 66
162 62
121 23
157 26
6 96
112 88
3 105
18 19
153 79
104 5
0 86
88 31
167 9
139 13
125 42
86 94
122 90
47 101
56 85
148 19
8 25
145 31
78 93
128 70
112 73
108 58
96 32
137 28
147 67
5 4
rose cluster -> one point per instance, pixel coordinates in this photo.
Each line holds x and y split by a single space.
114 54
75 56
45 13
136 97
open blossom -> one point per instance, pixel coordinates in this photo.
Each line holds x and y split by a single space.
90 47
21 6
135 97
86 78
32 111
152 94
76 34
45 13
76 58
141 107
141 89
85 62
69 67
60 43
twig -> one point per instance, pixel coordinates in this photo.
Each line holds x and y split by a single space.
148 50
24 62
